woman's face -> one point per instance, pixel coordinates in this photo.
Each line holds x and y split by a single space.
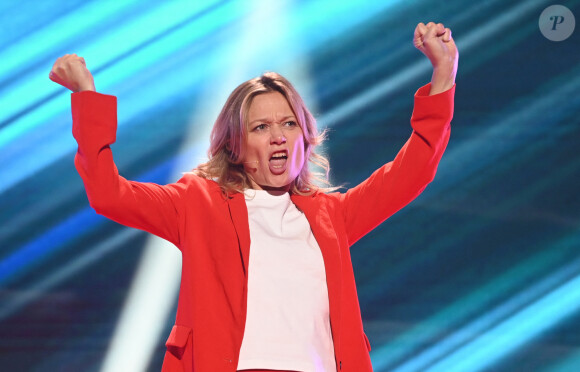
274 153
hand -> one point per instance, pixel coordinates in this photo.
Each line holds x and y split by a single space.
71 72
435 41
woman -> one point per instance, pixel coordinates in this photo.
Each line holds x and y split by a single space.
292 304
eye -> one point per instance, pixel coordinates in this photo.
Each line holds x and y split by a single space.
259 128
290 124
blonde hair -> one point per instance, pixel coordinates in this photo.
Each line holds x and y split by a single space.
228 138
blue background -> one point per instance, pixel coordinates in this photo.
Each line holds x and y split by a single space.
481 272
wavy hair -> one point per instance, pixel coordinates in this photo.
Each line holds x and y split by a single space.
228 139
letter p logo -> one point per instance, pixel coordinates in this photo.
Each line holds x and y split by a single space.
557 23
557 20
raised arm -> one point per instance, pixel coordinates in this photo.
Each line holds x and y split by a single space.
397 183
146 206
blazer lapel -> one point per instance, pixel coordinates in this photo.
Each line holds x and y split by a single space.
323 230
239 216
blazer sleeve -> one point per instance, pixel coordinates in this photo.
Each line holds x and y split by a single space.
145 206
400 181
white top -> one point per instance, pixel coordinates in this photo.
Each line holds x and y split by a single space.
287 323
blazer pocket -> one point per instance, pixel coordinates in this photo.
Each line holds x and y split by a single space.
177 341
367 341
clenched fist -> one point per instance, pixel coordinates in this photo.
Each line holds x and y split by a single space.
435 41
71 72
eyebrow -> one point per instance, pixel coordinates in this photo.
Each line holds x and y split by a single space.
268 121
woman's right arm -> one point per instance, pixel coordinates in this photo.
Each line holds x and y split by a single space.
146 206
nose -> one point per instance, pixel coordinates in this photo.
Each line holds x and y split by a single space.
277 136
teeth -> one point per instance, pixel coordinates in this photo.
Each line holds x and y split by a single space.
280 155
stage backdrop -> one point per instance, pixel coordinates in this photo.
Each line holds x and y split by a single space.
480 273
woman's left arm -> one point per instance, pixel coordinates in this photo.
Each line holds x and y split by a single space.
397 183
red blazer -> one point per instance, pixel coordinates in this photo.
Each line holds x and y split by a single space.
213 235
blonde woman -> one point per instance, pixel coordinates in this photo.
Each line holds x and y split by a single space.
267 281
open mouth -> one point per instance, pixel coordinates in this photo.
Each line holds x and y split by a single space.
278 160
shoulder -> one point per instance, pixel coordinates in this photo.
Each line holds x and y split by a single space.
197 187
193 180
318 199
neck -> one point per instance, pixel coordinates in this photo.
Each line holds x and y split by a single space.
272 190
